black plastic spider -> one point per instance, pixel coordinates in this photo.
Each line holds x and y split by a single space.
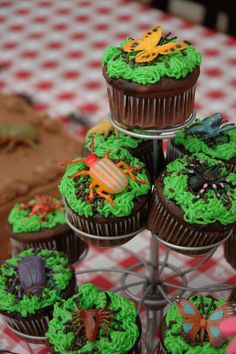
203 177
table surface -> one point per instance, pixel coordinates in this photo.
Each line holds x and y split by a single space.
51 51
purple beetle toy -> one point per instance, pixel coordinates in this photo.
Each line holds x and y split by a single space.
32 275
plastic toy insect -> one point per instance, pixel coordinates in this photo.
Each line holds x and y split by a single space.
42 206
104 128
204 177
195 325
13 134
211 127
32 275
107 175
86 323
150 45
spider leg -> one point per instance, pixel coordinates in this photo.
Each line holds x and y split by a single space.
107 334
202 191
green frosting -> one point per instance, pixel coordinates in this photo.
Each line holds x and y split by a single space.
30 304
89 297
176 344
124 202
175 65
223 151
102 145
21 221
199 212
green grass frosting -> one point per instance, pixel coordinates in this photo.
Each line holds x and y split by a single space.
89 297
199 212
176 344
102 145
22 222
123 202
175 65
30 304
223 151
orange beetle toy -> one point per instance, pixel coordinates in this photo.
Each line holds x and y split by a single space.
107 175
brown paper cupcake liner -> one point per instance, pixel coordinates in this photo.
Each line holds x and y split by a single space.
109 227
68 243
160 349
151 113
230 249
177 233
37 324
173 153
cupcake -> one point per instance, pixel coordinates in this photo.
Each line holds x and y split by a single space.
41 223
94 322
209 136
194 204
30 284
192 326
151 81
106 197
107 138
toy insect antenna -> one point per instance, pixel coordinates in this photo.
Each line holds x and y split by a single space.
64 164
92 144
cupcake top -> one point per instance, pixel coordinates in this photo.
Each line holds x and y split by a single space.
118 179
209 136
40 213
116 330
203 188
154 56
41 277
107 138
183 332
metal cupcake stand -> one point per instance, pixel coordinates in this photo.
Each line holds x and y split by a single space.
145 281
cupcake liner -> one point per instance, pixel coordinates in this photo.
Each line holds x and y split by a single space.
160 349
109 227
145 154
173 153
68 243
179 233
151 113
37 324
230 249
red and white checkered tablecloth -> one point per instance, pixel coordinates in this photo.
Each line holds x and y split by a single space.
51 51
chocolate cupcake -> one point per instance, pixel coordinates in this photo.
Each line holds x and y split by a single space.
192 326
41 223
106 138
209 136
194 204
230 249
117 327
30 284
151 81
106 197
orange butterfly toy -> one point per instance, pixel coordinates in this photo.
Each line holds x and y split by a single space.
199 324
148 45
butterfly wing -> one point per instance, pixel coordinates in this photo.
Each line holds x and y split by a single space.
216 337
148 41
171 47
191 325
147 55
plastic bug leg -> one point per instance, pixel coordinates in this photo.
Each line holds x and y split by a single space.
99 191
79 174
13 284
91 192
129 170
107 155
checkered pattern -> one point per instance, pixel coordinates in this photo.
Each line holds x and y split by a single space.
51 51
